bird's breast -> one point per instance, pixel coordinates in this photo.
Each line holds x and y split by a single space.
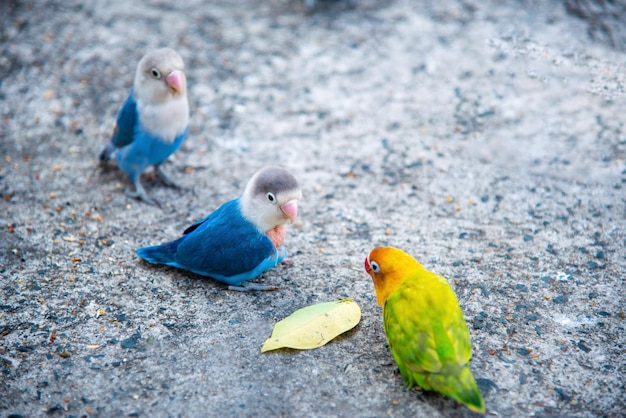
277 235
166 120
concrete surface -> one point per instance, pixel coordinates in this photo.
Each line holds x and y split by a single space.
486 139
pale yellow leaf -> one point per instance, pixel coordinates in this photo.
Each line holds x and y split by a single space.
314 326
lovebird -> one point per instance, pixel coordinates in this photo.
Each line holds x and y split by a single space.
153 121
242 238
425 327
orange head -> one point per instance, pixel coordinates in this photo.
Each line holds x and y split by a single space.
388 267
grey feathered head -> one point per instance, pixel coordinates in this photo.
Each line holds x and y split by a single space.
271 198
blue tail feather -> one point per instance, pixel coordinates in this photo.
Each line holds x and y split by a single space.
160 254
107 152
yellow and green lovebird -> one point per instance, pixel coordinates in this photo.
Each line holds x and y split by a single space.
425 327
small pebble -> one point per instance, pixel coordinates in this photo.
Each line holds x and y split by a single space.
486 385
564 396
583 347
129 342
53 409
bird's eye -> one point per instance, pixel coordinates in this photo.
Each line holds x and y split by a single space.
375 267
271 198
155 73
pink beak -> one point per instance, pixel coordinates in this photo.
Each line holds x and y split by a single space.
290 209
368 268
176 81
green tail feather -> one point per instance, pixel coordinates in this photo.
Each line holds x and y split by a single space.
458 383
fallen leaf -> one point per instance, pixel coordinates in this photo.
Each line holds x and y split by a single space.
314 326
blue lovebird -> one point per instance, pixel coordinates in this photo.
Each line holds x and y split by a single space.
153 121
242 238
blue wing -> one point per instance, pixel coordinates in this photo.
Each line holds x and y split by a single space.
196 224
127 119
223 245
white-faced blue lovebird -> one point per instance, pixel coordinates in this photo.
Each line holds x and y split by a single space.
242 238
153 121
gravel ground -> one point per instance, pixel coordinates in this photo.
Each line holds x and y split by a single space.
486 139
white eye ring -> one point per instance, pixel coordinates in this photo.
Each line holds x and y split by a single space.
271 198
155 73
375 267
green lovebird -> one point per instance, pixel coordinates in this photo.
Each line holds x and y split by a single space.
425 327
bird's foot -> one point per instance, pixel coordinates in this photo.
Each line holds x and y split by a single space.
247 287
141 194
165 178
288 262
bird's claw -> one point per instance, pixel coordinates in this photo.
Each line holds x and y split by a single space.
165 178
141 194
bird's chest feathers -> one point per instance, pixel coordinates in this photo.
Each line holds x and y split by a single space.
165 120
277 235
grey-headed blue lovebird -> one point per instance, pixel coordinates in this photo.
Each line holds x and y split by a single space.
242 238
153 121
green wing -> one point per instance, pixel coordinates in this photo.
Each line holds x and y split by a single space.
426 328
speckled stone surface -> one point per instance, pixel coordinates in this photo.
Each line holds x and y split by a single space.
488 140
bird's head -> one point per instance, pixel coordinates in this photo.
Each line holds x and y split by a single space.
271 198
388 267
160 76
